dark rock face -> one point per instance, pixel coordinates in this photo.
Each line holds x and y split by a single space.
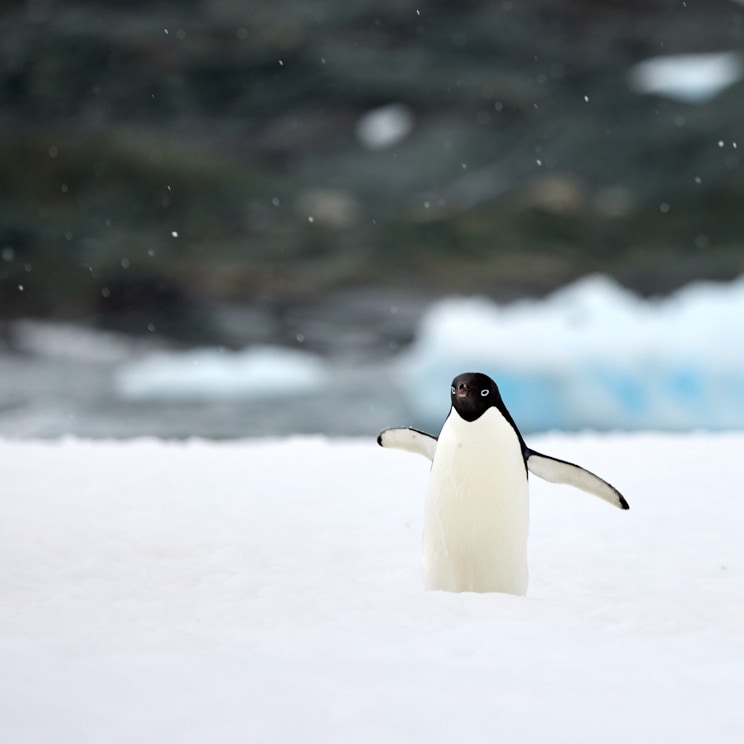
273 152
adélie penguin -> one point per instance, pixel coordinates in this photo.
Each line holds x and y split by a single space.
476 515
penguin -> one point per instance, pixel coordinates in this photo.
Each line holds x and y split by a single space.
476 513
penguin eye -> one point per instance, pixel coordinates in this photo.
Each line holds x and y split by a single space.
485 392
453 390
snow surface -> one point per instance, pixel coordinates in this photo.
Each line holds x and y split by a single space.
213 373
384 126
591 355
690 78
269 591
58 341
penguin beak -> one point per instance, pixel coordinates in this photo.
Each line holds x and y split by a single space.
463 390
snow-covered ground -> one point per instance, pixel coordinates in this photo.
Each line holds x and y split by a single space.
269 591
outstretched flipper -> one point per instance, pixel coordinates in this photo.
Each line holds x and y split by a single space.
560 471
409 440
548 468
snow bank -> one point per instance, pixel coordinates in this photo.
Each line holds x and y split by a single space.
54 341
217 373
591 355
385 126
269 591
690 78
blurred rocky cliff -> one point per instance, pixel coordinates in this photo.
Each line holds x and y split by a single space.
159 158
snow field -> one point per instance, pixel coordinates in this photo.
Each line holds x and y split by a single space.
269 591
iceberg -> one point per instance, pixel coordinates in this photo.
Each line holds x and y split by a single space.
591 355
214 374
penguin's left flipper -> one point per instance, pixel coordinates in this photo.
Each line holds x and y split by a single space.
560 471
409 440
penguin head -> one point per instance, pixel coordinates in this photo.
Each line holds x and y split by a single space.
473 393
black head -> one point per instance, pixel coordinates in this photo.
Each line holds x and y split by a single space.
473 393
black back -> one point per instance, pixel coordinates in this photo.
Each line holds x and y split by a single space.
473 393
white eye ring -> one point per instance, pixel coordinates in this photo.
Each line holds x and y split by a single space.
453 390
485 392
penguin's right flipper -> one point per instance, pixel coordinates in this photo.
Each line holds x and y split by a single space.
559 471
409 440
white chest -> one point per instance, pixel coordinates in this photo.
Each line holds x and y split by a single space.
477 508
